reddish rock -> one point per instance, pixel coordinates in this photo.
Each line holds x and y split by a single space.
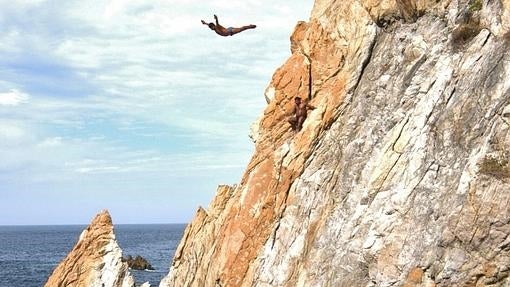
95 260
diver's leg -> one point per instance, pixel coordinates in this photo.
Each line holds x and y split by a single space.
300 122
239 30
293 123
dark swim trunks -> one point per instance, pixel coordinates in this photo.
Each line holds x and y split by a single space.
229 29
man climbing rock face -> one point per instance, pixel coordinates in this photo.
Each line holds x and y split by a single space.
222 31
299 113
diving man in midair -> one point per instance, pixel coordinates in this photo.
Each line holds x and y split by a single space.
222 31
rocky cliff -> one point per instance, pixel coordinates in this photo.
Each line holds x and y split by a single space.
400 176
95 261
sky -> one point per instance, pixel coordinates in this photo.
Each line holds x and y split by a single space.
131 106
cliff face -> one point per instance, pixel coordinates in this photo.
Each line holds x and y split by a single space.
95 261
400 176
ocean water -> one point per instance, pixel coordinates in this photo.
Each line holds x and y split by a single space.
28 254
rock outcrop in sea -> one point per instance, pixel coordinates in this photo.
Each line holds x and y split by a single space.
95 260
400 176
137 263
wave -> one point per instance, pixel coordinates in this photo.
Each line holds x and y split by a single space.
147 270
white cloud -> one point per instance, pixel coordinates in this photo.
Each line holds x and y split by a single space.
13 98
51 142
27 3
114 7
8 41
11 132
15 134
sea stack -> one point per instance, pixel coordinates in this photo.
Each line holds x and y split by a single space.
95 260
400 176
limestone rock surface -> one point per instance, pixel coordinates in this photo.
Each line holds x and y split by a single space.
400 176
95 260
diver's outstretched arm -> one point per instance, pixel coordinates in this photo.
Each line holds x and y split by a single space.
216 18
